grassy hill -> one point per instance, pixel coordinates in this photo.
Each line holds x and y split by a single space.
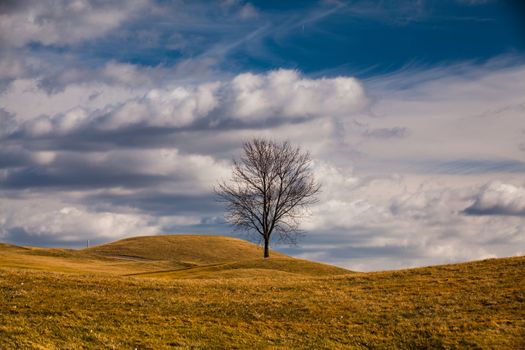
252 303
166 256
260 267
186 250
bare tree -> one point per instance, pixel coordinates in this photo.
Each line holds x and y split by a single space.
271 187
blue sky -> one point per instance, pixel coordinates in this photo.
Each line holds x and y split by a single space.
118 117
364 38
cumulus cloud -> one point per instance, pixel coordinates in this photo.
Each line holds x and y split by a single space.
27 100
497 198
247 99
61 22
166 169
71 120
176 107
340 204
105 196
54 79
286 93
59 221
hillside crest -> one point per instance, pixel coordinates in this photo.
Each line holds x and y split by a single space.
170 256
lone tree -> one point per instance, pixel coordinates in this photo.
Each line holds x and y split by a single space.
271 187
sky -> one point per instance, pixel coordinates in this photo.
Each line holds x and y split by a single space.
117 119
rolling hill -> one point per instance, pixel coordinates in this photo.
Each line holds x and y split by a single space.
173 292
166 256
195 249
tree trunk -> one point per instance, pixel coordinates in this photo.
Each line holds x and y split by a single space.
266 250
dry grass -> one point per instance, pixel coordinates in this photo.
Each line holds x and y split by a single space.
167 256
474 305
255 268
190 249
72 261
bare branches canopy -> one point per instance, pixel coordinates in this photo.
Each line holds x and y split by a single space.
271 187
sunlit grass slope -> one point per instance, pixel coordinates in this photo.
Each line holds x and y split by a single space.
479 305
165 256
64 260
201 256
187 249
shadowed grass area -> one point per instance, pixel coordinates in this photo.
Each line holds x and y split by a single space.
252 268
473 305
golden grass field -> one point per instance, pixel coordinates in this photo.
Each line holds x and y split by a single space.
206 292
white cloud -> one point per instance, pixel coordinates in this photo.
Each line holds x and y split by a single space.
127 74
40 126
54 219
63 22
286 93
498 198
457 108
434 204
192 173
174 107
72 120
340 204
44 157
27 101
247 97
182 173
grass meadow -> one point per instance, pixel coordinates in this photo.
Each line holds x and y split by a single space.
64 299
